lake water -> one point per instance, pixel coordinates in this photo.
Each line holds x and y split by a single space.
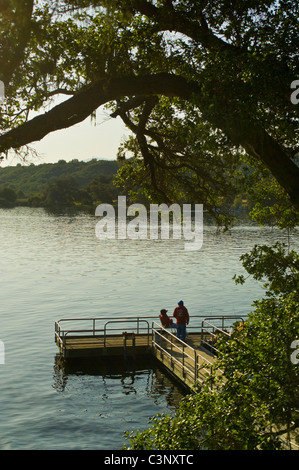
53 266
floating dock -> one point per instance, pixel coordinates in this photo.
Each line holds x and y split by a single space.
190 362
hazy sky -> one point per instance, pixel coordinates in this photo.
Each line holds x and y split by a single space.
89 139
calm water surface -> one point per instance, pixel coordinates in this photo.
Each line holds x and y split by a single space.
53 266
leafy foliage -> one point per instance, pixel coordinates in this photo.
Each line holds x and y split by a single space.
279 269
7 196
230 64
255 401
191 163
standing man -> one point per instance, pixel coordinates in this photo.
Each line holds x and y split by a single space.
182 319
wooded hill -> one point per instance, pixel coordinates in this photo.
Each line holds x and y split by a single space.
61 183
34 179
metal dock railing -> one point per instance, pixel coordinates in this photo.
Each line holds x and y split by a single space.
189 361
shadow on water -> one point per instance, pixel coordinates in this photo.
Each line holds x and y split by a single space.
126 371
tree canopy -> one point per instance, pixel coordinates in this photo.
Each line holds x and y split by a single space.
207 89
201 84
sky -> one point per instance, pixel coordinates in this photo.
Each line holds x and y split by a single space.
89 139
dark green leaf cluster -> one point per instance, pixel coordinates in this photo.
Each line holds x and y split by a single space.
277 269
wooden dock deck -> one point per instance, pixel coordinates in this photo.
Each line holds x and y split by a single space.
144 336
189 362
111 345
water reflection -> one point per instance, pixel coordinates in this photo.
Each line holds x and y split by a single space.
52 267
130 374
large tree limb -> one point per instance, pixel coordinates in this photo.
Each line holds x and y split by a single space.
259 144
240 129
198 29
81 105
173 20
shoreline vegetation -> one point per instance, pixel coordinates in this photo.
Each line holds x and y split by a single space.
81 185
74 184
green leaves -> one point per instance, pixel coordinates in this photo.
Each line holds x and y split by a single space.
278 269
256 400
187 160
237 57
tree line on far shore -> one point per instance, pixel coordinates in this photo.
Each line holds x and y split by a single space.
77 184
61 184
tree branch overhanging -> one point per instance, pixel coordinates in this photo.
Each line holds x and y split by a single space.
173 20
83 103
239 128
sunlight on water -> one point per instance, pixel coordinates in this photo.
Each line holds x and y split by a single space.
54 267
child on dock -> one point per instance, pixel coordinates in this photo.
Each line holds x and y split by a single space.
165 320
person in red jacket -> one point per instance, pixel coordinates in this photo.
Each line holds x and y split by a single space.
165 320
182 319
